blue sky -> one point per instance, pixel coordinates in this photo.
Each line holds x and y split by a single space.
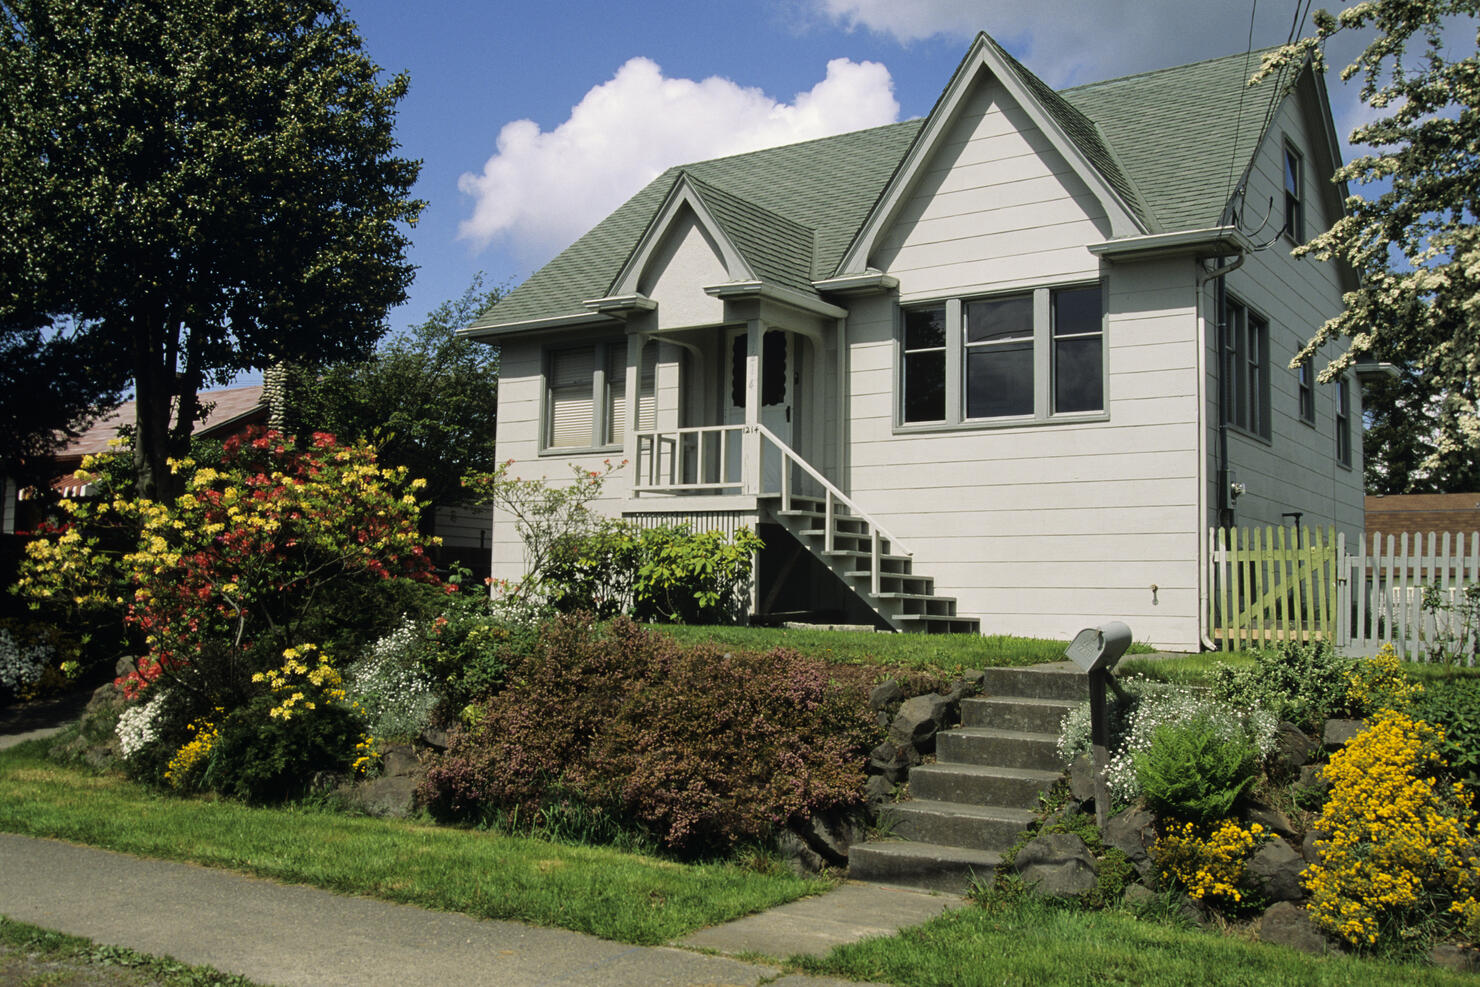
533 121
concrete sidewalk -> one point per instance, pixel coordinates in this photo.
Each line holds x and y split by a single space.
288 934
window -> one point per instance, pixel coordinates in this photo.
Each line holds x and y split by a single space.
1246 372
1294 200
1031 355
586 400
1308 391
1343 423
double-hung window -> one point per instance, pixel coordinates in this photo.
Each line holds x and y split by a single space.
1028 356
1294 199
1246 371
586 395
1343 422
1307 372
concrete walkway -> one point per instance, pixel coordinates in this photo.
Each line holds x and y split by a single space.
288 934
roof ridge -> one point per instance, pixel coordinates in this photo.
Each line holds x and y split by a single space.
803 143
1168 68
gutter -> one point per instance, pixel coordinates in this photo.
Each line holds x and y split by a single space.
1204 548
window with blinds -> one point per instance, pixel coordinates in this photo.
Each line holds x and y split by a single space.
616 385
571 380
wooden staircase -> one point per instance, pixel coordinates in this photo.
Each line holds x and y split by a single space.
869 563
969 806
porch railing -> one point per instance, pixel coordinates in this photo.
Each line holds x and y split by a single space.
736 459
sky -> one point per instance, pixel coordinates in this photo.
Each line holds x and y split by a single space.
534 120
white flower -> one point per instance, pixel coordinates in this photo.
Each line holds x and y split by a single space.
136 726
21 666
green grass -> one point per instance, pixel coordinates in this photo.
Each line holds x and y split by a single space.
32 955
1198 669
621 896
938 654
1029 942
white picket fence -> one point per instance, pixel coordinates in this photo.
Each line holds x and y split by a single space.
1274 584
1387 578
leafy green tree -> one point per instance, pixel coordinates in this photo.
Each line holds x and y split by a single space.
1399 454
51 386
1415 243
198 188
428 400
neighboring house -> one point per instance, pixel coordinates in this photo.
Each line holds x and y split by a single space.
1457 514
963 373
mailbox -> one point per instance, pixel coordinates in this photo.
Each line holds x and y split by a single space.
1099 648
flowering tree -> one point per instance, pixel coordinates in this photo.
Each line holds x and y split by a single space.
270 548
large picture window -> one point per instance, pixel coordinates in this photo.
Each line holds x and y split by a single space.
1246 371
586 395
1027 356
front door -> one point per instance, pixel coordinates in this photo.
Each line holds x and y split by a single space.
777 397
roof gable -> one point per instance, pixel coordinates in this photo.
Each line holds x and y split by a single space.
1069 132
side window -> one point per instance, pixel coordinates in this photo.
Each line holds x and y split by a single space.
1294 195
586 395
1343 422
1247 370
1307 373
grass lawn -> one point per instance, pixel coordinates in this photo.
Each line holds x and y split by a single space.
1198 669
936 654
1031 943
621 896
33 956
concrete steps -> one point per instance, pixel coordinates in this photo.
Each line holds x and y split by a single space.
902 598
970 806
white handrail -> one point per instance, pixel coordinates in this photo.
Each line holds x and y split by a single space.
833 494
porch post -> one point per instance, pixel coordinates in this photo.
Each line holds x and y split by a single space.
635 343
751 443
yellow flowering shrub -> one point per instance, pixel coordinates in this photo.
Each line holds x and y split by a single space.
185 767
1379 683
289 682
1400 848
1208 860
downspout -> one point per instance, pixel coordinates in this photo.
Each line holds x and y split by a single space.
1203 277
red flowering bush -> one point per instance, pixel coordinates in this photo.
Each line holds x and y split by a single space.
699 748
270 548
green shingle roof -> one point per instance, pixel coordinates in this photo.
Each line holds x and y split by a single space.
1184 135
1173 143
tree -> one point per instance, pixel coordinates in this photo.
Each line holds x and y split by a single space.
427 400
198 188
1399 454
1415 245
51 387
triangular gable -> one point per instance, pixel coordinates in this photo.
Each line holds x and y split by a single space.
685 196
1070 133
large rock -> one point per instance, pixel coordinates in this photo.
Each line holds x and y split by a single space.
393 793
1082 779
1460 959
1059 865
795 851
831 834
918 721
1133 833
1274 871
1272 819
1293 749
1288 924
893 761
884 695
1337 732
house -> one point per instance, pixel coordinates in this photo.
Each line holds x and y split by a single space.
999 369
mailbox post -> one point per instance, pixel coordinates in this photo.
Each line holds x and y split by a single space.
1096 650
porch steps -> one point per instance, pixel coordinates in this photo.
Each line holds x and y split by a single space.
905 600
970 806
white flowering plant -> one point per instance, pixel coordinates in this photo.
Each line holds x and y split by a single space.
22 663
138 726
1149 705
389 685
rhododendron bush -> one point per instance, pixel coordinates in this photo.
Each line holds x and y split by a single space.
270 549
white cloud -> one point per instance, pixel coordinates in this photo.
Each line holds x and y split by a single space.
542 189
